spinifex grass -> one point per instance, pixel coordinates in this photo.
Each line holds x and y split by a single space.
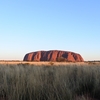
31 82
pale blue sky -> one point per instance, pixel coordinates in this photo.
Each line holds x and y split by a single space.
31 25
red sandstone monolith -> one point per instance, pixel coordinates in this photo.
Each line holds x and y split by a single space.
53 55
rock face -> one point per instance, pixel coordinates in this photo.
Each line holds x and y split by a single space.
53 55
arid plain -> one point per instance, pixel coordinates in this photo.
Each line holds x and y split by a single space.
48 63
23 80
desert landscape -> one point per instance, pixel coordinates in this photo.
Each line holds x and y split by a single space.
49 80
49 50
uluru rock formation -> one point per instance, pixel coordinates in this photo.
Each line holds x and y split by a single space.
53 55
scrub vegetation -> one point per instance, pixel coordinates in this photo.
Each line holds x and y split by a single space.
49 82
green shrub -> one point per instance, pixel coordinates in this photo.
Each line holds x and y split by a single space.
51 63
61 59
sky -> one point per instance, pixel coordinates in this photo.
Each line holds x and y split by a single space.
34 25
